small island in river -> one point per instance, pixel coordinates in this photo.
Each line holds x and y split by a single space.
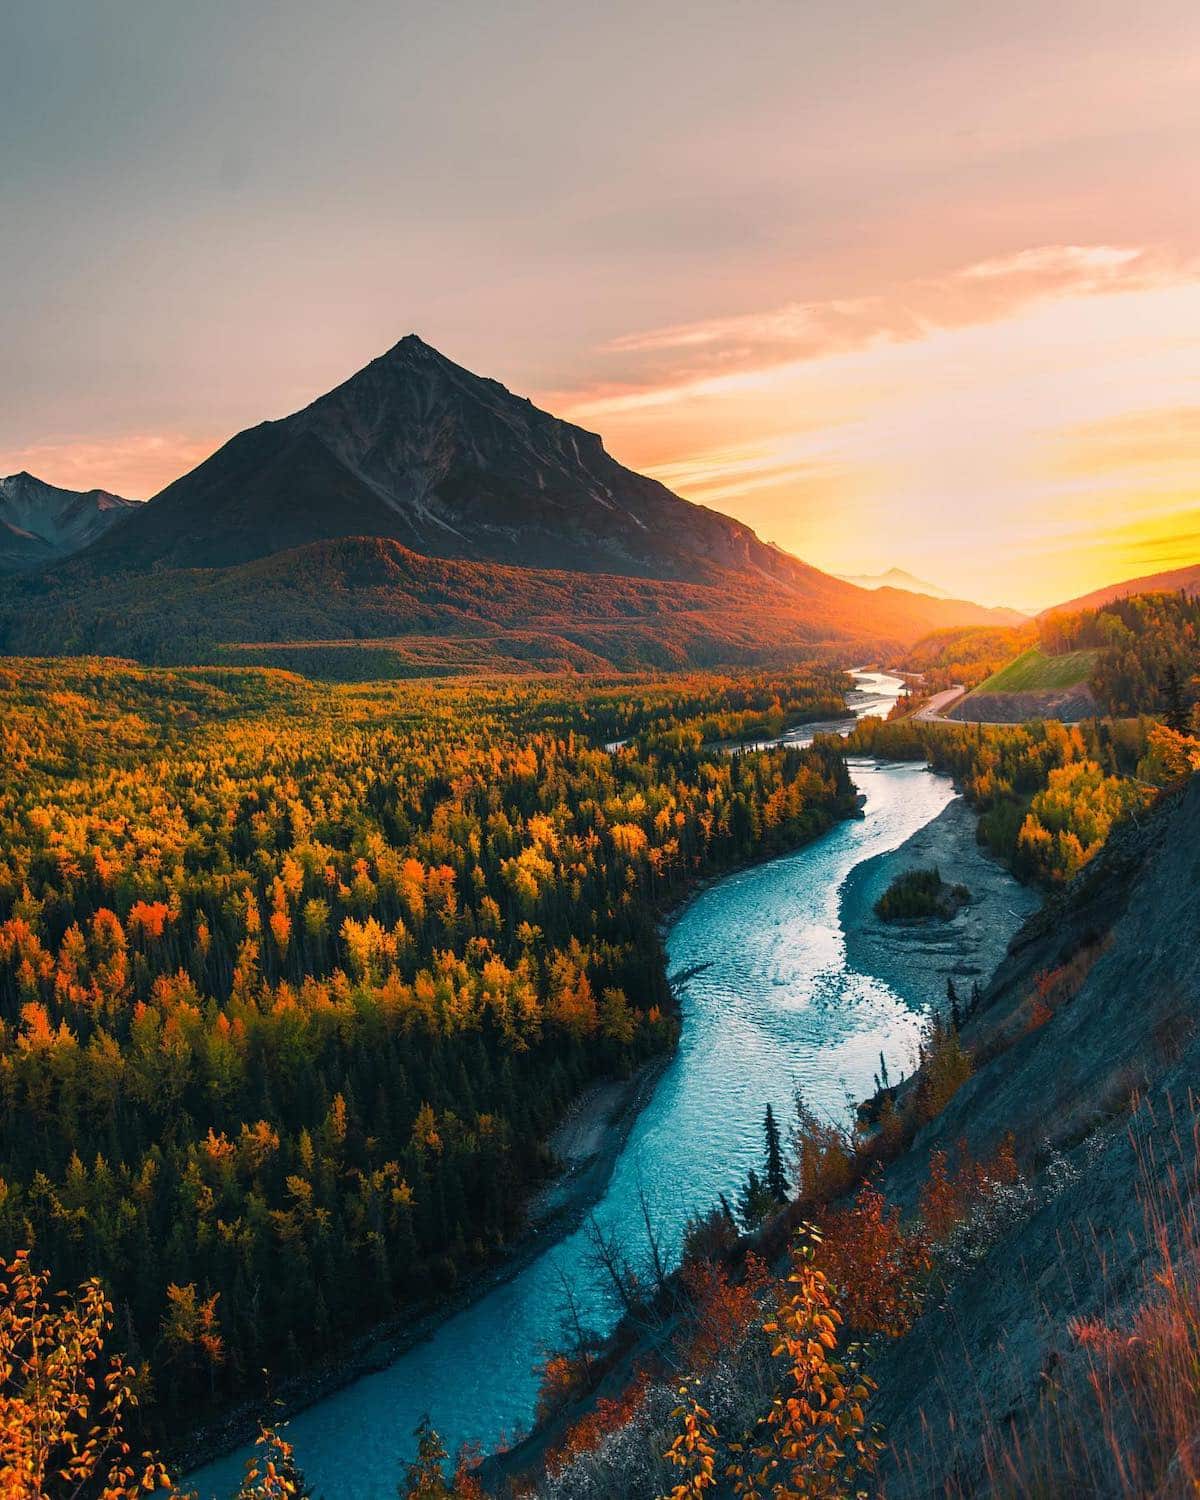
919 959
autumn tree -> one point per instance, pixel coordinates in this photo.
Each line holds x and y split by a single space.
272 1472
816 1443
64 1403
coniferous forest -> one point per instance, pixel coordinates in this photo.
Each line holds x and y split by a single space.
295 979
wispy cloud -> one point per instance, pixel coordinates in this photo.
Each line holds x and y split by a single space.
717 355
1080 263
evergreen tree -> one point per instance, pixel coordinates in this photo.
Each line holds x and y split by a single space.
955 1008
424 1478
776 1181
1176 710
755 1201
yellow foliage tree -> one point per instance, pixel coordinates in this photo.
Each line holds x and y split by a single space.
62 1404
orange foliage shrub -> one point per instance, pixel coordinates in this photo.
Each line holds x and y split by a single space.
874 1263
818 1444
62 1405
949 1196
722 1311
946 1066
562 1379
608 1415
693 1450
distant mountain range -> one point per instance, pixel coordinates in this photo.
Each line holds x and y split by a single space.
894 578
418 496
1185 579
40 523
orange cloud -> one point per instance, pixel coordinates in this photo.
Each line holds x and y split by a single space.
998 426
136 465
718 356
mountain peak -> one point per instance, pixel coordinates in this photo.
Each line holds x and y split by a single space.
412 349
416 449
41 522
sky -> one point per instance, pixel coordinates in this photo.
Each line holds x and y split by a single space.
911 286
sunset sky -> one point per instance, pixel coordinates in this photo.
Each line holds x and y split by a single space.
910 286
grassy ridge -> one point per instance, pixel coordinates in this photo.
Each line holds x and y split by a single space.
1034 671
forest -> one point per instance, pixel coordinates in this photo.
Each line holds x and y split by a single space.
1047 794
295 978
1150 652
1148 661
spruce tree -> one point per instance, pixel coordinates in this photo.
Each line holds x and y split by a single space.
1176 711
755 1201
776 1181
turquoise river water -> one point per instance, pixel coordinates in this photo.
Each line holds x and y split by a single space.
770 1007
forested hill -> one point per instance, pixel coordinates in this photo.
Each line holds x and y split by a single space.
1134 654
295 980
1148 651
371 593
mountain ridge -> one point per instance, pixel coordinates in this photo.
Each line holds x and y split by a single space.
342 590
1170 582
418 449
41 523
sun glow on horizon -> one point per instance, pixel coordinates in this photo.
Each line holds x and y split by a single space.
1021 448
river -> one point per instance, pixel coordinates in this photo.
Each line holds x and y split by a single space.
770 1006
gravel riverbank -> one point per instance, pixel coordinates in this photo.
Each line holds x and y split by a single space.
917 958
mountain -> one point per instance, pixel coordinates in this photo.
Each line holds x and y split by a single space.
420 450
894 578
40 523
418 497
1185 579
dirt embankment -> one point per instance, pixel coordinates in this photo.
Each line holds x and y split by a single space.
1068 704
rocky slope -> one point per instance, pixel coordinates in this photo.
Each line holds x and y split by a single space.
1068 704
40 523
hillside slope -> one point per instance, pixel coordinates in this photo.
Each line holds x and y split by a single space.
1089 1097
1177 579
1033 685
1053 1350
358 593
